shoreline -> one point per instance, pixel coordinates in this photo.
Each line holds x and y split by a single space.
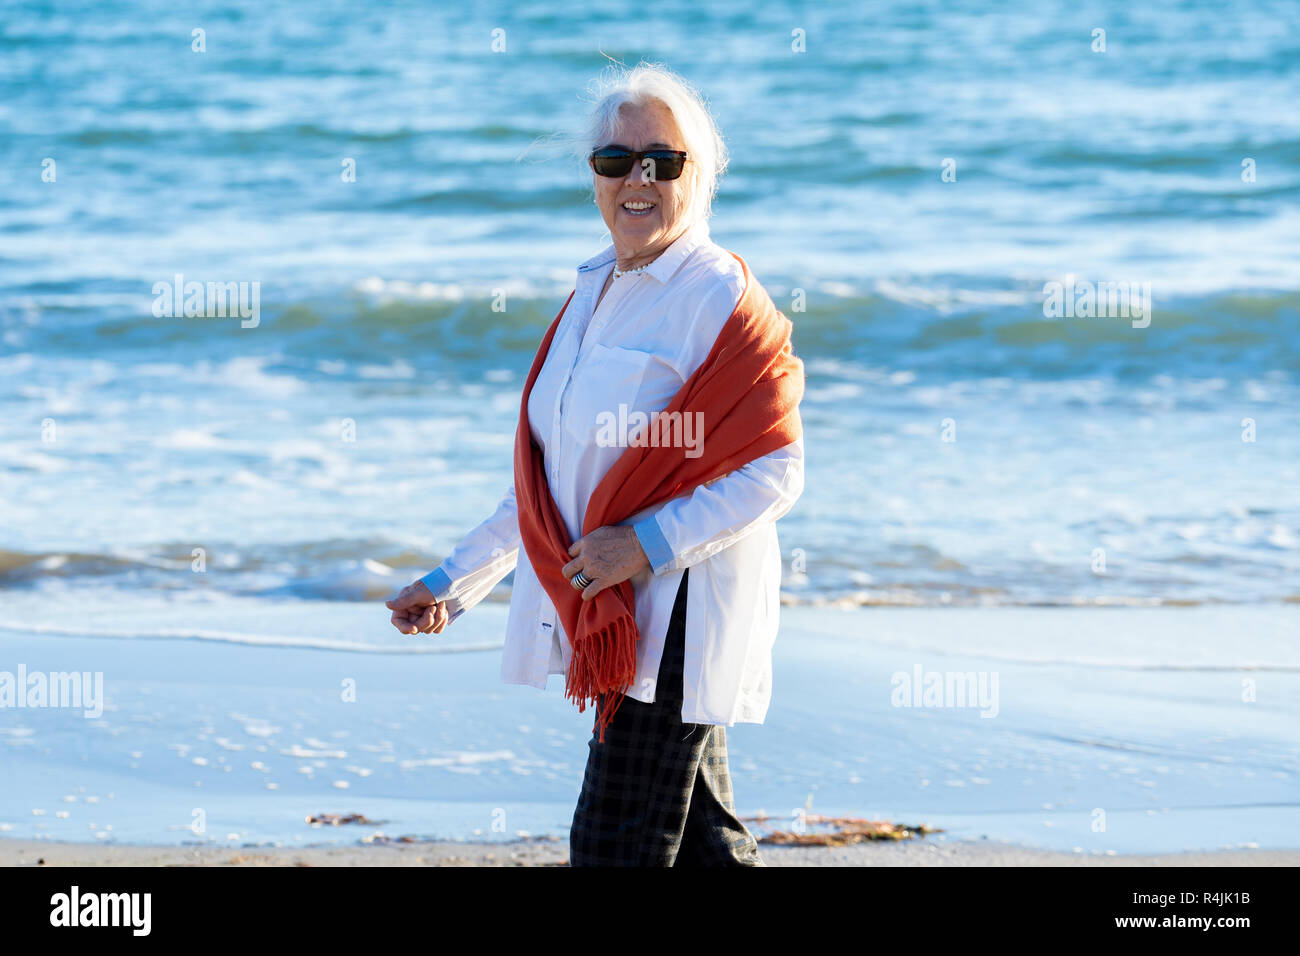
543 852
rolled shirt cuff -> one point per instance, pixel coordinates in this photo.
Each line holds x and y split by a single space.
653 543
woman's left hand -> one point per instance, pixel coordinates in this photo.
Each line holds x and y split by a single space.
607 556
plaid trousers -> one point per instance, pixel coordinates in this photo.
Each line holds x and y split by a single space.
657 792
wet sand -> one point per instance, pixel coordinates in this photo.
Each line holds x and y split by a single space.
556 853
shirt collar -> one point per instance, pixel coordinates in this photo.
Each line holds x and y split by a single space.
669 261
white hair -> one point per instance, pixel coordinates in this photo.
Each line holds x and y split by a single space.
646 83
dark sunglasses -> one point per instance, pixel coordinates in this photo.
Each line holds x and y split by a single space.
614 161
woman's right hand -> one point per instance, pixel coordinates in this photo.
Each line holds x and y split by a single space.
416 611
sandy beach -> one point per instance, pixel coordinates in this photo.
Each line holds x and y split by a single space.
555 853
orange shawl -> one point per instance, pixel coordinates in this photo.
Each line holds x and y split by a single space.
748 389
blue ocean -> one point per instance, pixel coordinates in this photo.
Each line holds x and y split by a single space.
908 180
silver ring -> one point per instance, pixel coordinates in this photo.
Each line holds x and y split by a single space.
580 581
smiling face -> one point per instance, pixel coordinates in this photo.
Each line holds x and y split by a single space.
644 217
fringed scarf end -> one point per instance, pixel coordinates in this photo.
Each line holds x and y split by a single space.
602 668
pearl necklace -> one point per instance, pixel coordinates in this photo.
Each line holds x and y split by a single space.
619 273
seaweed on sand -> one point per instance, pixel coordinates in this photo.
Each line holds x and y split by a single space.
816 830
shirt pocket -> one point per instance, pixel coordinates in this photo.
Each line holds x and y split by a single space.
611 385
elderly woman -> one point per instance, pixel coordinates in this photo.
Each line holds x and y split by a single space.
658 442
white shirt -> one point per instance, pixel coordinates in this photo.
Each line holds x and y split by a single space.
651 332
